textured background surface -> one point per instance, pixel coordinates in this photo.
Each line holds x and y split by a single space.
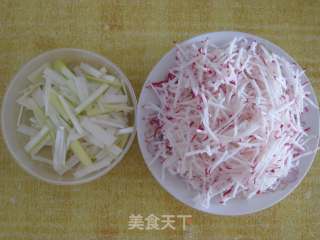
134 35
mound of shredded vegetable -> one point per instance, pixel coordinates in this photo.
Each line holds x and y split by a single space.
75 120
229 119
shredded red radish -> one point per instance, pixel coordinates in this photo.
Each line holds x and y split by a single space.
229 119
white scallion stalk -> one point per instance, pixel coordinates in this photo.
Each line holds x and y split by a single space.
54 77
112 79
66 72
46 141
106 121
36 139
20 116
60 150
90 70
101 154
55 102
26 102
61 67
71 115
38 97
81 84
125 130
73 136
78 150
91 139
119 117
47 90
102 135
26 130
93 97
82 88
110 108
41 159
107 79
54 115
70 163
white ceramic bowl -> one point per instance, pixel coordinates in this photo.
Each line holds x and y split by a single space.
15 141
173 184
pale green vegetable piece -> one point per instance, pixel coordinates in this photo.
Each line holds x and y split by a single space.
54 77
43 142
43 120
55 102
93 97
108 108
90 70
125 130
78 150
70 115
20 116
67 73
26 130
61 67
104 136
36 139
111 81
70 163
60 150
41 159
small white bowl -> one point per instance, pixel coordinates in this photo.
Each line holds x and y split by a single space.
15 141
173 184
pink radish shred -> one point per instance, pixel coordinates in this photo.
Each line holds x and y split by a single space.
229 119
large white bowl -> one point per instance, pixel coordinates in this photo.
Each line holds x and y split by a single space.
15 141
173 184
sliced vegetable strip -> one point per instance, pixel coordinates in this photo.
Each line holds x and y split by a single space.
68 118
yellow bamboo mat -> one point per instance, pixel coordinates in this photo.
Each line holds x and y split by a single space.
135 35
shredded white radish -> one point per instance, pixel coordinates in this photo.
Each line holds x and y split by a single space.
74 119
229 119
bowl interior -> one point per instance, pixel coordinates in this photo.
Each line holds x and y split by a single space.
15 141
173 184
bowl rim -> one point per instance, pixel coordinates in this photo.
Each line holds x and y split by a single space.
141 139
5 102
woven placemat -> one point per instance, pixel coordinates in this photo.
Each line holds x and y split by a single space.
135 35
